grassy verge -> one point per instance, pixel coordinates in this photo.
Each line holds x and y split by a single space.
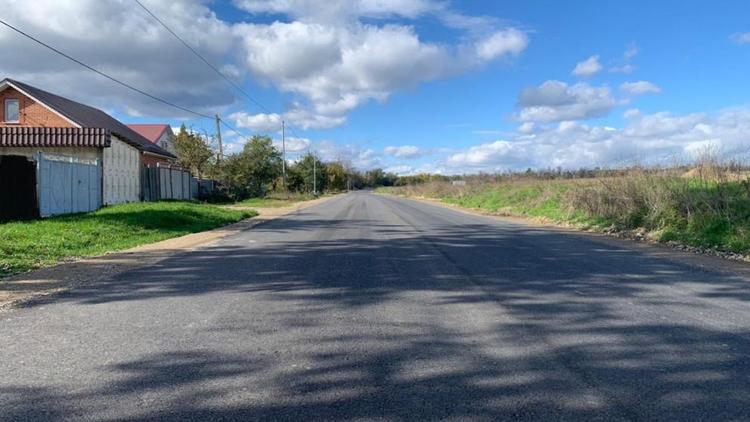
274 201
696 211
33 244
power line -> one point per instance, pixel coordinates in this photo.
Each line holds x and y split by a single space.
214 68
113 79
99 72
228 126
126 85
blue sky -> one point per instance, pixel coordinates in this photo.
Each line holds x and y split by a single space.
420 85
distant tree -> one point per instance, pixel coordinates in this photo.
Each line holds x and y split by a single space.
254 169
193 151
302 174
337 176
374 177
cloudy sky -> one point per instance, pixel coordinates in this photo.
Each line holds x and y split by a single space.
415 85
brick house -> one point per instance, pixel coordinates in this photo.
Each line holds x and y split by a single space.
158 134
35 123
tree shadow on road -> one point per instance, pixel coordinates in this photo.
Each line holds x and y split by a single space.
510 323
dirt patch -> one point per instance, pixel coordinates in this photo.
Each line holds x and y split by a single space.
37 284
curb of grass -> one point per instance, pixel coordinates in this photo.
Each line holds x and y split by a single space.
690 255
43 284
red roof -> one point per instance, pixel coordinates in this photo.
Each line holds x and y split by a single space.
151 132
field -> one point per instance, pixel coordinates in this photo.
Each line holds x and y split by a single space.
706 207
32 244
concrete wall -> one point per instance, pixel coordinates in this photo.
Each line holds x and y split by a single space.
122 181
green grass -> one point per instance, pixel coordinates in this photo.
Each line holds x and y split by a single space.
719 218
528 199
26 245
265 203
692 211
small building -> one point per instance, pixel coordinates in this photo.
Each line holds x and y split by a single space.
59 156
158 134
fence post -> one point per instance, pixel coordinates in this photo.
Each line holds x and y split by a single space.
171 184
39 157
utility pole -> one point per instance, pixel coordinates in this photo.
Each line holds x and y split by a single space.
283 153
315 177
218 138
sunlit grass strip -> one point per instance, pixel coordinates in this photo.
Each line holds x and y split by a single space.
32 244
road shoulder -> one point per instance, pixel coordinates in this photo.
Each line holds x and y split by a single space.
38 285
646 247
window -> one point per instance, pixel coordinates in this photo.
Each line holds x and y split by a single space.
12 111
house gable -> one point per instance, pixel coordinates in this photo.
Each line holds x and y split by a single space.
32 112
83 116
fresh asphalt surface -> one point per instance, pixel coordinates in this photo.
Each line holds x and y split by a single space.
377 308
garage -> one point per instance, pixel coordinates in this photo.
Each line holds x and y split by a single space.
50 171
18 198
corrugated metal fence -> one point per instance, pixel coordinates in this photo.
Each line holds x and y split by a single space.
68 184
159 183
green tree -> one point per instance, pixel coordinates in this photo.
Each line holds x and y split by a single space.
337 176
193 151
252 171
301 174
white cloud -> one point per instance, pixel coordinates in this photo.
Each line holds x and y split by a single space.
405 151
298 117
588 67
625 68
555 101
331 56
293 144
741 38
122 40
659 138
527 127
258 122
307 119
501 43
491 154
351 154
340 10
631 113
640 88
400 169
334 61
630 52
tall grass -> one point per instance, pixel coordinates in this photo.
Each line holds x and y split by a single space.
707 205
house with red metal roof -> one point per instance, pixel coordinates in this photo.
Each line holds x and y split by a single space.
59 156
159 134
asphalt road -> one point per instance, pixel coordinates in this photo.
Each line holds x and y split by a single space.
376 308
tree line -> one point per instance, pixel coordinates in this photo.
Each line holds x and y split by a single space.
257 170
